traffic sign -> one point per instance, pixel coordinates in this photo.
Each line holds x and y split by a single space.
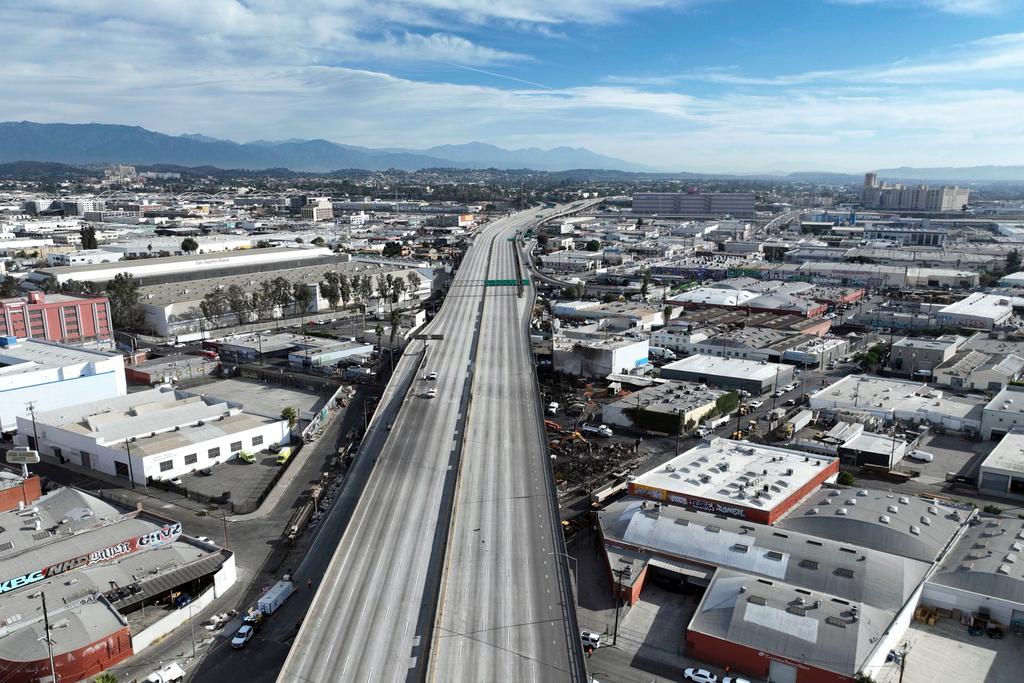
22 456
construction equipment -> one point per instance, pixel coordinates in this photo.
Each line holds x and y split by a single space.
554 427
738 434
574 436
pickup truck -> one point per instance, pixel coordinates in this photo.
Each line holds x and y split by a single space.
172 673
597 430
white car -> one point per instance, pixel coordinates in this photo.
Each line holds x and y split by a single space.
242 637
431 393
700 675
734 679
431 376
590 639
923 456
756 404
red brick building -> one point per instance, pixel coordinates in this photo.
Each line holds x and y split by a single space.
57 318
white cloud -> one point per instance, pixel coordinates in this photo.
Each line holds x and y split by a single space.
996 57
950 6
266 69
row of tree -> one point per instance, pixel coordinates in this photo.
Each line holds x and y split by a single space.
278 293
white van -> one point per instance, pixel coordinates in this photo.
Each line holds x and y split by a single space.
923 456
553 408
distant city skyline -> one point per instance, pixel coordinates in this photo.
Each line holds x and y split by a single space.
679 85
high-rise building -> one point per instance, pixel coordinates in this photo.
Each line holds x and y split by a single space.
317 209
943 199
694 203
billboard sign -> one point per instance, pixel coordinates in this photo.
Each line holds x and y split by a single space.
22 456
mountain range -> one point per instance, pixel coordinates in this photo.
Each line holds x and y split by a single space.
95 143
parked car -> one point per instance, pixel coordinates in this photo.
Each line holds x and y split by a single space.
247 457
699 675
254 619
283 455
590 639
734 679
923 456
176 481
204 472
242 637
204 539
172 673
431 393
756 404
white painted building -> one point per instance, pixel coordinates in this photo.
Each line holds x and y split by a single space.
51 375
979 311
598 357
83 257
159 433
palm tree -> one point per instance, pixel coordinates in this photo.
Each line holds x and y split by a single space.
105 677
378 331
396 318
290 414
414 281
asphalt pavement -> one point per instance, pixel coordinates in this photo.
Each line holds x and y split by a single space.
506 542
373 614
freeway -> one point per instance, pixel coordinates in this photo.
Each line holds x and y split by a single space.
506 604
375 608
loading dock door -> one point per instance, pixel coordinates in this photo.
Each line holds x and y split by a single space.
781 673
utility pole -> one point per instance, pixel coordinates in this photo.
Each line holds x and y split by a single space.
224 519
131 472
46 635
618 602
35 436
679 428
903 660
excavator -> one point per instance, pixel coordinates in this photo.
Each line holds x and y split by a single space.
556 444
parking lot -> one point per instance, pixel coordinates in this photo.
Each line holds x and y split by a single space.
953 453
244 481
945 652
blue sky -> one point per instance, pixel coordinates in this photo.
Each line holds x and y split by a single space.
699 85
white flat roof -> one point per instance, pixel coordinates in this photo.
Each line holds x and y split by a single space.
1008 455
726 367
735 473
980 305
1009 400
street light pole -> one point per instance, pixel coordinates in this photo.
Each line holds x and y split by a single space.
576 577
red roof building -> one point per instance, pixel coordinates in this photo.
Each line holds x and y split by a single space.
56 317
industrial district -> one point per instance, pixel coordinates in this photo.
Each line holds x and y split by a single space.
456 426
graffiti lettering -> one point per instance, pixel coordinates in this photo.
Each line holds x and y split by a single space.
12 584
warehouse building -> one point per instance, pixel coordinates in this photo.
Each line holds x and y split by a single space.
697 204
736 479
152 271
888 399
1002 471
982 576
979 311
668 407
48 375
154 434
779 603
175 310
1004 412
171 369
598 357
756 377
119 562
